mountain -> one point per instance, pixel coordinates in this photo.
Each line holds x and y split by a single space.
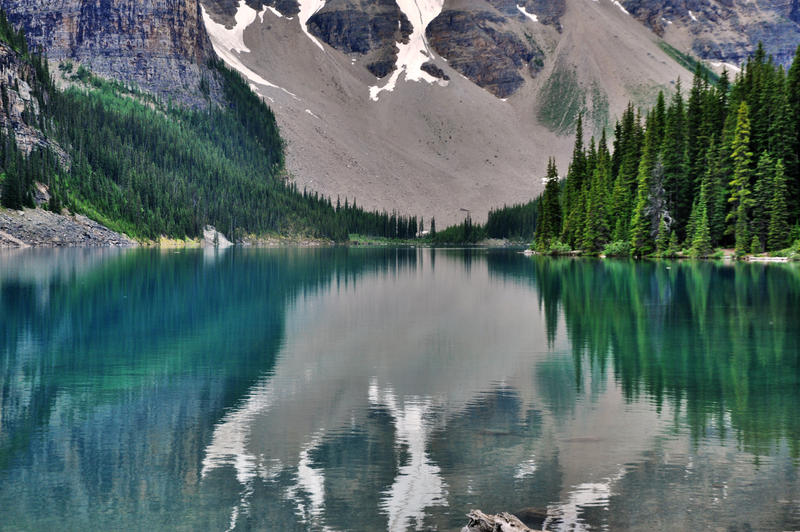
477 95
159 45
431 107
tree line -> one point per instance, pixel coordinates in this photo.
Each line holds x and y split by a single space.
717 169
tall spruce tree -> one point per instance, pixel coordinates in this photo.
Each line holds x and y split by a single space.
701 240
548 226
740 184
763 187
792 88
573 204
673 153
778 228
623 195
597 228
696 131
644 226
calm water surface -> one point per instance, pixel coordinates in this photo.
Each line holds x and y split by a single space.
395 389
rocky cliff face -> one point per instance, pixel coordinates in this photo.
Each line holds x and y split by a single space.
479 46
161 45
22 98
724 30
366 27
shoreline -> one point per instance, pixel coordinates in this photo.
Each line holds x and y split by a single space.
726 257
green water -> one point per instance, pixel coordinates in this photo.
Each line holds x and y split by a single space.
395 389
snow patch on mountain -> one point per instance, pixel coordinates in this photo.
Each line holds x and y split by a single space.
416 52
616 3
529 15
307 10
228 43
729 66
231 39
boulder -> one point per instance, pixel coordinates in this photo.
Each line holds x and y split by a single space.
502 522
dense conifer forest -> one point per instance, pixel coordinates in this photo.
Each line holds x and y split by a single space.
148 168
718 168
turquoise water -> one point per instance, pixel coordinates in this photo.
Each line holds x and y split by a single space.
395 389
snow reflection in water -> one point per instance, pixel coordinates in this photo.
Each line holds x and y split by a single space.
418 484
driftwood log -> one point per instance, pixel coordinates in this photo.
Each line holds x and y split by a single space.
502 522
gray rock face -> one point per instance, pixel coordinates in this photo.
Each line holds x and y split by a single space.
476 44
367 27
20 106
225 10
161 45
435 71
727 30
214 239
546 11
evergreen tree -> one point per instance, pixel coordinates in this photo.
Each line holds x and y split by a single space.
691 226
755 245
643 229
673 153
762 196
597 228
696 143
715 193
740 184
625 185
792 166
778 229
548 225
659 121
573 204
662 240
701 241
673 248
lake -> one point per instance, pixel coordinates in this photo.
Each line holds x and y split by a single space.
395 389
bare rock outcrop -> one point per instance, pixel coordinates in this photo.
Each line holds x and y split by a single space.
214 239
479 46
367 27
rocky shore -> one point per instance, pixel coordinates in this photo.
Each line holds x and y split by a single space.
41 228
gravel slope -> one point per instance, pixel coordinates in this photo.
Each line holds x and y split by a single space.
41 228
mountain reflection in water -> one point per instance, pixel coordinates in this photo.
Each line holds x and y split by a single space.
395 389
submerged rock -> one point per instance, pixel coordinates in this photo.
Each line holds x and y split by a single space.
502 522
